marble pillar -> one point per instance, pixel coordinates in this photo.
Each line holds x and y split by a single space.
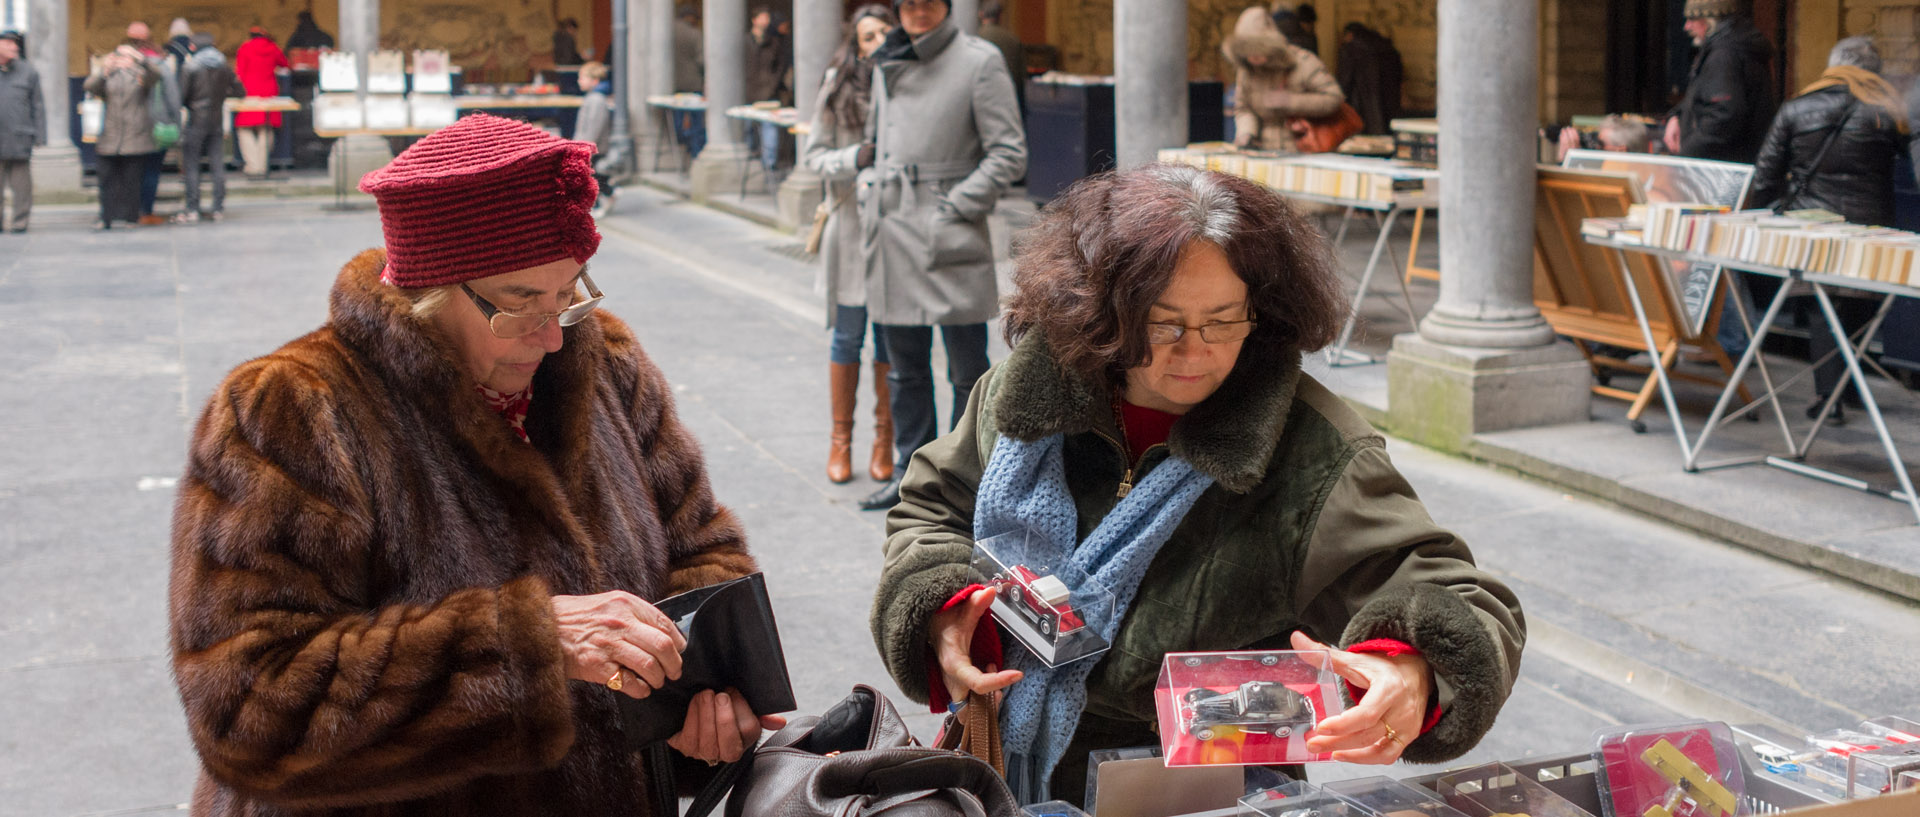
1150 78
720 163
359 34
56 165
817 33
1484 359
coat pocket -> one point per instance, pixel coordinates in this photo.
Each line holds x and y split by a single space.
957 241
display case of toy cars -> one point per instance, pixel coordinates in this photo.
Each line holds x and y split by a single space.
1226 708
1496 788
1869 762
1391 798
1782 758
1896 729
1052 808
1908 780
1687 769
1301 799
1046 603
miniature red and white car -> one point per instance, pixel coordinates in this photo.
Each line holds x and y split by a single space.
1041 600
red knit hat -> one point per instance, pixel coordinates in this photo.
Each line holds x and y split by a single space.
484 196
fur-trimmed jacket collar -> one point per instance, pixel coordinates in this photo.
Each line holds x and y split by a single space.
365 557
1231 436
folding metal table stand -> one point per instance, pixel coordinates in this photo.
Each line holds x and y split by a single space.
1384 215
1852 352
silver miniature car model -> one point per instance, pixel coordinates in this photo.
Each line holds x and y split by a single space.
1261 707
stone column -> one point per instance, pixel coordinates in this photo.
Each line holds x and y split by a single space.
966 13
628 73
1150 78
1484 359
817 32
655 47
719 165
359 34
56 166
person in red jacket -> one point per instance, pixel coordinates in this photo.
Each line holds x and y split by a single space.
257 63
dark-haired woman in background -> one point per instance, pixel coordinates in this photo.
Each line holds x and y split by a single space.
1153 423
840 120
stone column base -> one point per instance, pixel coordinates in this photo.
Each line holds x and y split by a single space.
717 171
1441 396
800 194
56 174
362 155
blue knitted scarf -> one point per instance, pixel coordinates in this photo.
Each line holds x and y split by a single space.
1025 489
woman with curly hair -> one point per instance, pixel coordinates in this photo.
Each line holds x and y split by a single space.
1153 427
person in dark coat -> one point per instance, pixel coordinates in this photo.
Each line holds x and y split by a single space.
308 34
1370 73
566 46
1296 24
1854 176
23 124
1728 103
208 84
416 551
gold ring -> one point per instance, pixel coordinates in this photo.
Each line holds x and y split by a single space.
713 763
615 683
1392 736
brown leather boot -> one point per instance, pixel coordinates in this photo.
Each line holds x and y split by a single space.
843 381
881 469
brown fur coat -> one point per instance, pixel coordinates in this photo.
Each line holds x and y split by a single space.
364 553
1289 82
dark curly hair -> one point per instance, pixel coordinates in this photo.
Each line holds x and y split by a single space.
1098 257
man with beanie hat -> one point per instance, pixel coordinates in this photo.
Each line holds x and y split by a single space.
944 140
1728 102
415 550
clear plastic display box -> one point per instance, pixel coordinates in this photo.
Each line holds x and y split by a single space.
1870 761
1392 798
1049 606
1301 799
1775 757
1686 769
1231 708
1052 808
1496 788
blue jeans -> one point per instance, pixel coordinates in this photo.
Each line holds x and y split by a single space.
769 146
850 333
1733 334
911 348
690 127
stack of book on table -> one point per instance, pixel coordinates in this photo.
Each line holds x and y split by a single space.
1814 241
1355 178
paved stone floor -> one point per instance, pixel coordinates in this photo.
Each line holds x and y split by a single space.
118 338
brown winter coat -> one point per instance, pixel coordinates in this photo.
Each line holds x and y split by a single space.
1291 82
364 556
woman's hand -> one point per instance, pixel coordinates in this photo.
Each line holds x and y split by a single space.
616 635
1672 135
1381 725
721 727
951 634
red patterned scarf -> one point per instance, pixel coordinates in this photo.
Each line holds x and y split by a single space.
512 407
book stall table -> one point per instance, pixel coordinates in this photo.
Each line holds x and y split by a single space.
1385 188
1852 352
339 158
670 105
783 120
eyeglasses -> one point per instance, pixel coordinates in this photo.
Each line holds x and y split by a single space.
1162 334
507 326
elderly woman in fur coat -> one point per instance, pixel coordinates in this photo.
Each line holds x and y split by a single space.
1274 81
413 550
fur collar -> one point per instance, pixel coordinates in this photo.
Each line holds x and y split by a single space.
1231 436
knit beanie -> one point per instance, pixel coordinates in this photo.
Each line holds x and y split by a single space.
1696 9
484 196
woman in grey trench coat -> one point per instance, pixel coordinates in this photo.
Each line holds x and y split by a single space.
839 121
944 140
125 81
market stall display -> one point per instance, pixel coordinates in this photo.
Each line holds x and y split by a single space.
1050 607
1228 708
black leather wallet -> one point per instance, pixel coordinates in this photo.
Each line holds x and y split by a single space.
732 641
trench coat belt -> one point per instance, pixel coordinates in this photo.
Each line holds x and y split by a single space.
907 178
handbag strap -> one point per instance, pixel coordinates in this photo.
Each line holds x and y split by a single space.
1800 184
932 769
666 794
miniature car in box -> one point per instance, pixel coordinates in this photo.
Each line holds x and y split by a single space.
1262 707
1042 600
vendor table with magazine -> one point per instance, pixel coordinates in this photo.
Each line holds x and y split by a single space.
1852 352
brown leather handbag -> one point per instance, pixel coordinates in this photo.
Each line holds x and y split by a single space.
859 759
975 730
1325 133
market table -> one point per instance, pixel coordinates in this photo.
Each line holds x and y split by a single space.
668 105
339 159
1385 214
783 120
1850 351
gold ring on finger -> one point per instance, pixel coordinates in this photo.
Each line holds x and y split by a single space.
1392 736
616 681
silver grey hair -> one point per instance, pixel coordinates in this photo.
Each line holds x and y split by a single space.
1210 208
428 302
1624 132
1857 52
